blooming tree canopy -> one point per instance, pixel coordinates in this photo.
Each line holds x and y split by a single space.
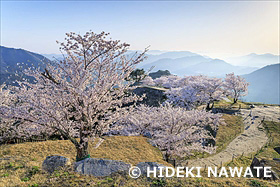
174 130
236 86
167 81
79 96
148 81
191 91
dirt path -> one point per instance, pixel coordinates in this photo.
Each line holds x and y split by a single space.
251 140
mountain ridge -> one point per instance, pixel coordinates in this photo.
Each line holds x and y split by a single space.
256 60
264 85
15 60
261 80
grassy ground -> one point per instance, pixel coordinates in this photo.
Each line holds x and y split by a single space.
227 132
67 177
273 132
238 104
226 104
70 179
20 164
131 149
26 158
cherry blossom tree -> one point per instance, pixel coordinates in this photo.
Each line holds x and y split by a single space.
79 96
236 86
191 91
172 81
8 128
160 81
174 130
148 81
186 97
212 91
169 81
11 128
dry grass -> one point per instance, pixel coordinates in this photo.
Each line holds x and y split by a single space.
22 158
20 168
23 165
226 104
132 149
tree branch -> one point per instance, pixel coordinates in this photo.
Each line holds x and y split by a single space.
47 75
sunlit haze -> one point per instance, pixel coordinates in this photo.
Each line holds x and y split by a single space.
216 29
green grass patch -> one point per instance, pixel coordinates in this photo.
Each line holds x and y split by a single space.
229 131
273 132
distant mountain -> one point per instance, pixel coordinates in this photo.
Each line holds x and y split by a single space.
155 52
176 54
174 65
187 63
151 58
53 56
254 60
264 85
15 60
214 67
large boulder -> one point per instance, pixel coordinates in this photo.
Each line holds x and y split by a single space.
264 163
277 149
100 167
54 162
147 134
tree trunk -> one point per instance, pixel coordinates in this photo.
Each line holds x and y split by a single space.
82 152
235 100
208 107
167 157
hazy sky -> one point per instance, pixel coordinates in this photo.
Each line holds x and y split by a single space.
214 28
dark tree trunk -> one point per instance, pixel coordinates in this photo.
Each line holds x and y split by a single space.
209 106
169 160
167 157
82 152
235 100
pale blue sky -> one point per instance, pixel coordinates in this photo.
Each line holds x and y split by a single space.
213 28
